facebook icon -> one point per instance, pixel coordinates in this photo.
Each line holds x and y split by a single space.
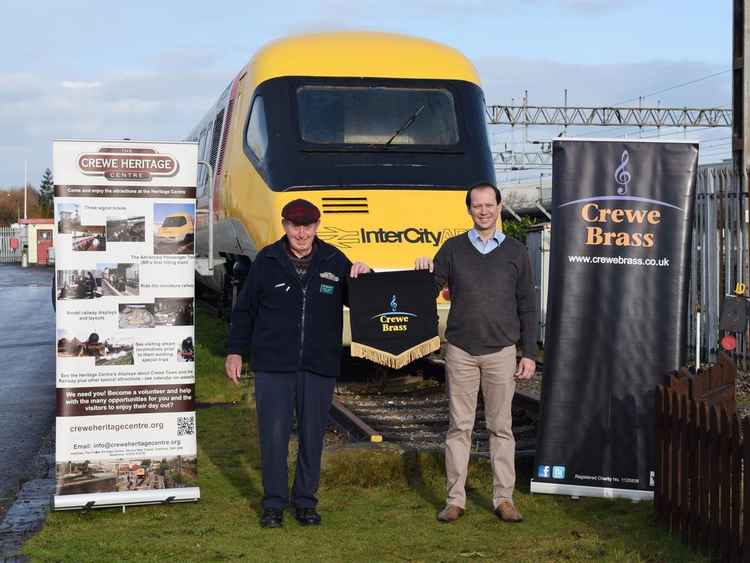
543 472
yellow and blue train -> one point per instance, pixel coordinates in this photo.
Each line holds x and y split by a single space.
383 132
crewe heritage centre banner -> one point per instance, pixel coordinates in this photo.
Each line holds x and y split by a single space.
616 312
124 289
393 317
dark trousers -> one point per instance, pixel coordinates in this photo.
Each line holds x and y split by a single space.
279 396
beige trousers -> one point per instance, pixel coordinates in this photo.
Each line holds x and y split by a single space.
464 374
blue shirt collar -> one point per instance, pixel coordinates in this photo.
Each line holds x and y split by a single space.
498 236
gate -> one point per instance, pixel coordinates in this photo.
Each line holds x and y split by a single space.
11 244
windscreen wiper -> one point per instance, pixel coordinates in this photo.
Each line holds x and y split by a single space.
408 123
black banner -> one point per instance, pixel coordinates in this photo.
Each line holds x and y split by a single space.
393 316
616 311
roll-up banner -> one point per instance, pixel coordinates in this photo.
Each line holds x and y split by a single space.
124 290
616 312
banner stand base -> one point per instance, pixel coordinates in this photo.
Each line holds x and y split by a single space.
86 502
585 491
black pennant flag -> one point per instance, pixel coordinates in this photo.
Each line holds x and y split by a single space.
393 316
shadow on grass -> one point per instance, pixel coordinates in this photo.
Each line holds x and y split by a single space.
213 331
631 525
368 468
229 440
421 471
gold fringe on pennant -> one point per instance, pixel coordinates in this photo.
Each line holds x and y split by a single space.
395 361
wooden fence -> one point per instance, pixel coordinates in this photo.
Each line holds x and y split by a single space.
700 487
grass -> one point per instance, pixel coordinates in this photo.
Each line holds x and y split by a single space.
211 382
377 505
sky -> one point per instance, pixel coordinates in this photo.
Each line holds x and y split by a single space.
150 70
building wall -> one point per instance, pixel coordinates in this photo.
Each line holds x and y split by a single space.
32 237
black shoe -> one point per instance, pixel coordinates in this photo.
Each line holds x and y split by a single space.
272 518
307 516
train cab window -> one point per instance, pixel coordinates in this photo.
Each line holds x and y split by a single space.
256 135
379 116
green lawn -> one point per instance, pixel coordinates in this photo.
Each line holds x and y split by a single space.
377 505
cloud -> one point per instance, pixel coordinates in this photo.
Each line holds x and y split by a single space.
162 100
165 98
504 78
20 86
78 85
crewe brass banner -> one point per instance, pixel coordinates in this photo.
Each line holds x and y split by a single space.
393 317
616 312
124 288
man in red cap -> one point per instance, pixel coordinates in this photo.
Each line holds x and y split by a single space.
289 315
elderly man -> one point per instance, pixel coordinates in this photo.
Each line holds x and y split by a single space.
492 307
289 314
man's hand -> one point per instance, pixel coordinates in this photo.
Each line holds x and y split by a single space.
526 369
233 367
423 263
359 268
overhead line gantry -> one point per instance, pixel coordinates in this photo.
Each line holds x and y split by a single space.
609 116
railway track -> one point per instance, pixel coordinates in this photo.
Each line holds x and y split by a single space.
418 419
410 408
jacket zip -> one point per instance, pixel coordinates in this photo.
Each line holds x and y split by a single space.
302 321
303 288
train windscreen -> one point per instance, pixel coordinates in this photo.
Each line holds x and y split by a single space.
380 116
344 132
174 221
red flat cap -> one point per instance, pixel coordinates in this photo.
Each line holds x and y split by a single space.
301 212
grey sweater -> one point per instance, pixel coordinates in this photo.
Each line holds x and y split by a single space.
492 296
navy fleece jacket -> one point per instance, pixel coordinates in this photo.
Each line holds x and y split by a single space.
290 324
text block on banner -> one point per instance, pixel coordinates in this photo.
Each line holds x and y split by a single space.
616 312
124 290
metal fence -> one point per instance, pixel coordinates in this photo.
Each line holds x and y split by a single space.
11 244
719 259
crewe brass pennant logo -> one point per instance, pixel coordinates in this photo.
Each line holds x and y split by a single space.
394 320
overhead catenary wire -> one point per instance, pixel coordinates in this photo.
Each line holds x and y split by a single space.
642 132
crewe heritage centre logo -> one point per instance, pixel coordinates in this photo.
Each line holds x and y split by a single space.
127 163
615 226
394 320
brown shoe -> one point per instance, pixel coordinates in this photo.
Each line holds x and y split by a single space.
450 513
507 512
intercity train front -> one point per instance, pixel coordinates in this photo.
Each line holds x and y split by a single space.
384 133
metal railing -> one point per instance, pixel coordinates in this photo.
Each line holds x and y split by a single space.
719 258
11 244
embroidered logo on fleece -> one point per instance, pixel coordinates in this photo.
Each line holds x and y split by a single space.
329 276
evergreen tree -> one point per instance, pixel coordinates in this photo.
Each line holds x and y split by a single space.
47 192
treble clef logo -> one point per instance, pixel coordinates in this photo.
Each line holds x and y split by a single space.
393 304
622 176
